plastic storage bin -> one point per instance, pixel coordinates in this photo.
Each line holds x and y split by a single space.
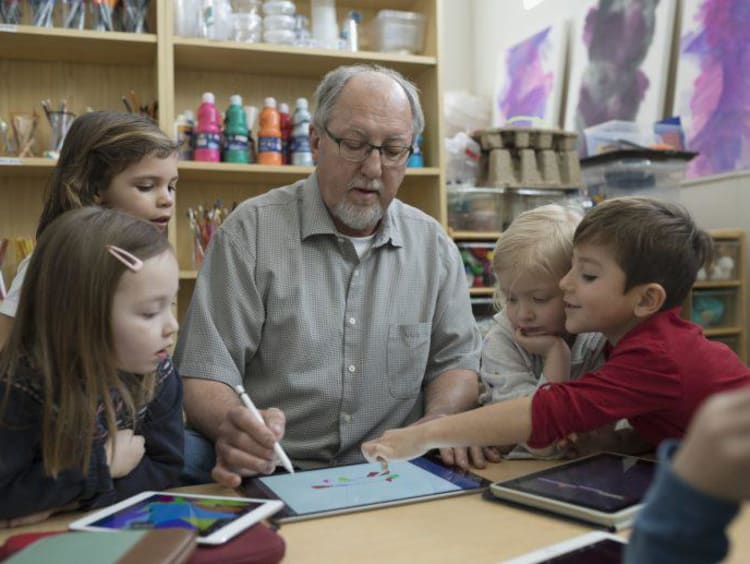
726 261
477 258
610 135
714 308
656 174
396 31
476 209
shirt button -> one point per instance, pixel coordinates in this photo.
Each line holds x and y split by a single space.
352 368
352 321
346 418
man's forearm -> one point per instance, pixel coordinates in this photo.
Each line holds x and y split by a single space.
206 403
452 392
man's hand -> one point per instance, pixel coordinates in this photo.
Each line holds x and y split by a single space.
244 446
124 451
715 454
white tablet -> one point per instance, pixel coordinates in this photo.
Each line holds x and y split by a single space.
216 519
606 489
359 487
591 548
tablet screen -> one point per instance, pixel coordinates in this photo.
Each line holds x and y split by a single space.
603 552
360 486
604 482
202 514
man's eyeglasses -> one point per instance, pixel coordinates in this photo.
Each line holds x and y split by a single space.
356 151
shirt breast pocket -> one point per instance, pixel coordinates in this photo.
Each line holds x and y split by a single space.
408 352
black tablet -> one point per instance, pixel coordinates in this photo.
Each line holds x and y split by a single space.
590 548
358 487
606 488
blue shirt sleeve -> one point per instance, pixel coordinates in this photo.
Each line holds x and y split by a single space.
679 524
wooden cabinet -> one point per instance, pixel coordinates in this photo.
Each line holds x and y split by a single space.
95 69
717 300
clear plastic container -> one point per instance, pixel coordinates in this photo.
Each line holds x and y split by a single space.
477 259
282 36
397 31
608 136
247 27
279 7
476 209
278 22
635 173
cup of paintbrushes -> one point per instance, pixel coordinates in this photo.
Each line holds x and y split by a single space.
10 12
24 132
59 122
73 14
41 12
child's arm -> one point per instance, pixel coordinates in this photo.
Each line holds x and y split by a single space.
25 489
502 423
163 433
553 349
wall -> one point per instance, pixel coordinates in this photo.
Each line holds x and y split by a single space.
477 30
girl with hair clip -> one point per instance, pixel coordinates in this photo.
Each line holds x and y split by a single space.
90 403
111 159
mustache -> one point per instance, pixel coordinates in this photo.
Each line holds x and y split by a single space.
374 184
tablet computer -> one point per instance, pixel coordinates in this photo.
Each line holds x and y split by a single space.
606 489
216 519
359 487
591 548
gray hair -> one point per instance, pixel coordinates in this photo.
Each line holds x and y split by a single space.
329 90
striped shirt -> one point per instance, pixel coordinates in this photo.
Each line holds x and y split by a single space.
345 347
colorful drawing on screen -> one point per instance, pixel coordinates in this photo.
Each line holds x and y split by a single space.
167 511
369 479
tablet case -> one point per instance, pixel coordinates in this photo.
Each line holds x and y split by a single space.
163 546
257 545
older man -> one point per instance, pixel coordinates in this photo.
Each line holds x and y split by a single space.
343 311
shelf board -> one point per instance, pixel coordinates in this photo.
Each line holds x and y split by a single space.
30 43
188 274
274 175
474 235
705 284
36 166
481 291
722 331
283 60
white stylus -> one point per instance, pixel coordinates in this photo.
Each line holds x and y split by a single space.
285 462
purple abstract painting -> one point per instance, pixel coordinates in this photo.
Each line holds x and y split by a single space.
529 78
619 62
713 85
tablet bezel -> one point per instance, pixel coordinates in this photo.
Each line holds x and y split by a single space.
265 509
543 555
617 519
257 489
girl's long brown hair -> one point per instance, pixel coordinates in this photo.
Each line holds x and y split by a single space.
63 329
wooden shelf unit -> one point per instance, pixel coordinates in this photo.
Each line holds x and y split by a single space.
725 316
94 69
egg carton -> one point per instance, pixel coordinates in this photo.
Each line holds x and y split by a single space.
521 157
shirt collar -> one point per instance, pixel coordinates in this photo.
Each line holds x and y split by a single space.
316 220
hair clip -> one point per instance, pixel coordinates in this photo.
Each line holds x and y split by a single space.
128 259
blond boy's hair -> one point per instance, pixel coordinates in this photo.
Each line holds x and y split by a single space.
538 242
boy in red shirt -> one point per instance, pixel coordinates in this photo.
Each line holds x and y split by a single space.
634 262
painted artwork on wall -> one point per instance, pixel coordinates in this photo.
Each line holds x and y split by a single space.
529 78
712 91
619 62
